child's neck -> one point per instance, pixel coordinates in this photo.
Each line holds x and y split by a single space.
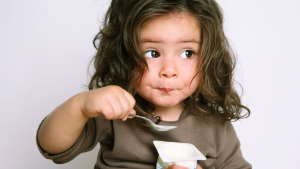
169 113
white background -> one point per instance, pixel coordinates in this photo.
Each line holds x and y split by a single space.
46 47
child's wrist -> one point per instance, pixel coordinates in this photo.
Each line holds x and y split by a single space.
77 103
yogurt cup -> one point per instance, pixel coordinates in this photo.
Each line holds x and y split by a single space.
183 154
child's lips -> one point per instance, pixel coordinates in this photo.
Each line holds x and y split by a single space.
166 90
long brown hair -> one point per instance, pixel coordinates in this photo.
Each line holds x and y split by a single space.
119 61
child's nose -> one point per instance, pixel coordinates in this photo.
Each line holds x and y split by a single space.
169 74
169 69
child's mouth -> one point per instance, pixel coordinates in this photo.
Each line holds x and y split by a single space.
166 90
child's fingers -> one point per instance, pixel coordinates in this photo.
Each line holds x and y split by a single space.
128 103
130 98
119 106
114 109
124 107
114 103
131 112
108 111
131 102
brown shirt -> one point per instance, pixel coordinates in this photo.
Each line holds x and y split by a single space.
129 145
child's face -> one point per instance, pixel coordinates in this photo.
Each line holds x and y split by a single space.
171 48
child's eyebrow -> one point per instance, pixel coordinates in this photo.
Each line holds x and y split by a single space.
149 41
157 41
189 41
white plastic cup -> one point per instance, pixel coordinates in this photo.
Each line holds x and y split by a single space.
182 154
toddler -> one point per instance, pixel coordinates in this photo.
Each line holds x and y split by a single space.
167 60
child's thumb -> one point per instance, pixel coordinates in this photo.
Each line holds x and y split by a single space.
133 112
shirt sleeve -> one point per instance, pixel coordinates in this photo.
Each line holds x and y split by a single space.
87 140
231 157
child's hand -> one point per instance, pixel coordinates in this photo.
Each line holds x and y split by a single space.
64 125
181 167
111 101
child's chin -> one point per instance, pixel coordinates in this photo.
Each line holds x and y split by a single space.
166 103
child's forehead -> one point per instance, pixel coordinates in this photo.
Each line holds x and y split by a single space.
173 16
179 27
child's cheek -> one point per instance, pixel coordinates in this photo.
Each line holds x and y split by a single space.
139 77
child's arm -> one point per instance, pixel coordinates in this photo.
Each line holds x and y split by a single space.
63 126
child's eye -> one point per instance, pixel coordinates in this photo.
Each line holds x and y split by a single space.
187 54
151 54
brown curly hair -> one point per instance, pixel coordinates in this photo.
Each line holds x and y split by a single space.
119 61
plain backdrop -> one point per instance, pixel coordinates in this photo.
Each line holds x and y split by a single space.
46 47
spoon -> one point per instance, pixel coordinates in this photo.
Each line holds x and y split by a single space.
155 126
